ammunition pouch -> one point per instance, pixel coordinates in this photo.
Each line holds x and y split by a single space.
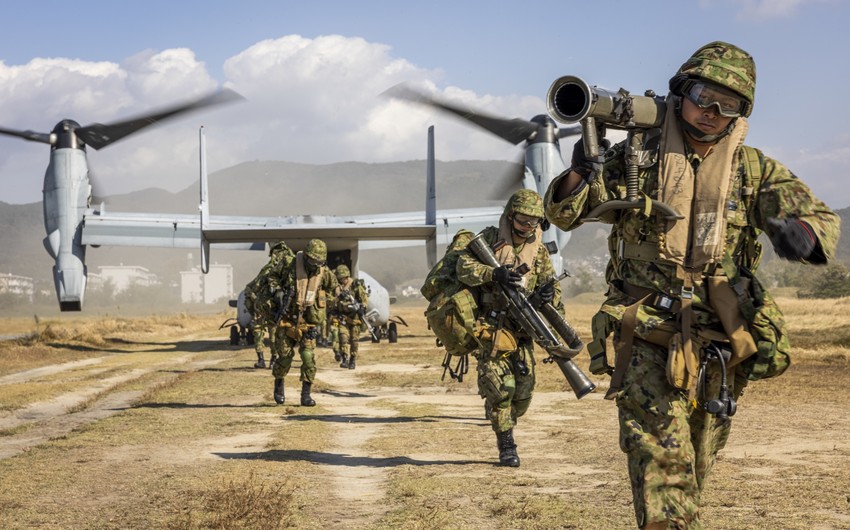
767 326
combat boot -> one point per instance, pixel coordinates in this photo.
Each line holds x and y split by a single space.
507 449
278 391
261 361
351 362
306 400
337 356
343 363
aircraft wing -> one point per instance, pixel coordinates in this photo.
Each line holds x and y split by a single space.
184 230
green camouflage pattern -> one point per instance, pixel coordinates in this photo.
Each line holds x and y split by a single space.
283 362
526 202
350 327
317 250
670 445
342 271
665 470
726 65
780 195
258 294
507 392
283 347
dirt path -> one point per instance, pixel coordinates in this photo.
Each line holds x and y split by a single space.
399 448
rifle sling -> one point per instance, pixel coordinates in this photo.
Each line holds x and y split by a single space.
623 351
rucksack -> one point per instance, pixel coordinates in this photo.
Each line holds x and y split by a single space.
453 309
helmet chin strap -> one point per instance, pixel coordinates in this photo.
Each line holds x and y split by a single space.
699 136
695 133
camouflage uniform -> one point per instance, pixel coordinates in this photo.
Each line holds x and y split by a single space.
506 378
670 440
301 320
349 325
259 302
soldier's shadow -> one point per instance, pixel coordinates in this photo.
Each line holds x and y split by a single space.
355 419
340 459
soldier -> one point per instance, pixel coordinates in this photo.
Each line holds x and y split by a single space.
260 303
683 302
351 294
505 358
300 288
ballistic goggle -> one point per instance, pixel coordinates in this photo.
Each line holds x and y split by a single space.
726 103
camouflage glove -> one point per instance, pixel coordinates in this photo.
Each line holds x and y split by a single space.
506 277
792 238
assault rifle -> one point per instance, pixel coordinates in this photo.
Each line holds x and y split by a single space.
281 309
536 325
358 308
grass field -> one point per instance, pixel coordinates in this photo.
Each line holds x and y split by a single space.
156 422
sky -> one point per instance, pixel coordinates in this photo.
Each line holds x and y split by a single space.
313 73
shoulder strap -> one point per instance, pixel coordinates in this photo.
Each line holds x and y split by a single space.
753 163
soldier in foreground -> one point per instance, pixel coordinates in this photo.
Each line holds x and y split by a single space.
352 293
260 303
300 288
691 323
506 364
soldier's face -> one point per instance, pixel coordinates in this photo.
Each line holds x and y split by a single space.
707 120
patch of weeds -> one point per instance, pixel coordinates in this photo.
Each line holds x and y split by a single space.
247 503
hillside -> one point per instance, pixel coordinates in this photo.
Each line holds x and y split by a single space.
265 188
272 188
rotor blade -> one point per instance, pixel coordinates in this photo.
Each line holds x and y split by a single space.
572 130
514 130
510 182
98 135
27 135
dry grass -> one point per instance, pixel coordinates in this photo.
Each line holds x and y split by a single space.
186 437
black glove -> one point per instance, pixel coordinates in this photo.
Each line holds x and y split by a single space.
546 293
543 295
580 163
506 277
792 238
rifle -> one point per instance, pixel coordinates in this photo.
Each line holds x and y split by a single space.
358 308
281 309
537 327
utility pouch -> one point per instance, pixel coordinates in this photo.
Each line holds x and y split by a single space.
767 326
724 301
294 332
503 341
677 368
322 299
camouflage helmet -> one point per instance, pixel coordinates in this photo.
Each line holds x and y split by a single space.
316 250
343 272
527 202
277 247
722 64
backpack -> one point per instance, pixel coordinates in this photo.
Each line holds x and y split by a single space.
453 309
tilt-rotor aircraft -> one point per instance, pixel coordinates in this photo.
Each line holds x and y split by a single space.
541 161
72 224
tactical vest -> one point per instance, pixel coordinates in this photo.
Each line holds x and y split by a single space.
640 242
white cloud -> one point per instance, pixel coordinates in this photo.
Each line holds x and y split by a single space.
308 100
757 10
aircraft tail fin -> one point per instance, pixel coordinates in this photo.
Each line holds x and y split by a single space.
204 204
431 200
